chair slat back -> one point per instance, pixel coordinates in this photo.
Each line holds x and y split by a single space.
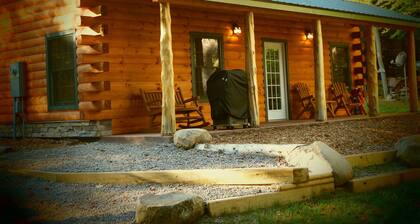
340 89
153 99
179 99
302 90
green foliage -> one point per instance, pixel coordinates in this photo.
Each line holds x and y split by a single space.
407 7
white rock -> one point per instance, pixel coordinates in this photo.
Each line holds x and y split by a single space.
320 159
188 138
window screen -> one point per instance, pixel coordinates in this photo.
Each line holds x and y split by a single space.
61 69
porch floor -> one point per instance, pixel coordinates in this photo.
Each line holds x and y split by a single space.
157 138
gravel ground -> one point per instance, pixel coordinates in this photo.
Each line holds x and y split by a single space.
90 203
347 137
98 156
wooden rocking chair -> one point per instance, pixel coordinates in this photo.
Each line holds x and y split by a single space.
188 112
307 101
343 98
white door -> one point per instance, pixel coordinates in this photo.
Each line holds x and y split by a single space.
275 80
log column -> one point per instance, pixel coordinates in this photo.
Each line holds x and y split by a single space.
321 107
251 66
372 72
411 71
168 126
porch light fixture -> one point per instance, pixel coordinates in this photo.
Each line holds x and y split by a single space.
236 29
309 35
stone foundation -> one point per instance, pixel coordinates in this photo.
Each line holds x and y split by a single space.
61 129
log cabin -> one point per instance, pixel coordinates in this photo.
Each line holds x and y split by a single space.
85 61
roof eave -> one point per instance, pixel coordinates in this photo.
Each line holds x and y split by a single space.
319 12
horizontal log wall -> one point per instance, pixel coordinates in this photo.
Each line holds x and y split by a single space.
23 26
133 39
118 53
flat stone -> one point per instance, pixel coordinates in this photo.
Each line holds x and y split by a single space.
174 207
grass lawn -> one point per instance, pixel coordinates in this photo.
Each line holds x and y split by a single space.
392 205
397 106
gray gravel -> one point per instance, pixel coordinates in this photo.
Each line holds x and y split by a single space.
90 203
98 156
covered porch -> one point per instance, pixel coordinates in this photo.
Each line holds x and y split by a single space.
273 27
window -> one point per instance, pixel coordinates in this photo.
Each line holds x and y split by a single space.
207 57
61 71
340 64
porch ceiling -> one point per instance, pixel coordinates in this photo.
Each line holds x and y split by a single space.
337 8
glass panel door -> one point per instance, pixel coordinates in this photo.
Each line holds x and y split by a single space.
275 80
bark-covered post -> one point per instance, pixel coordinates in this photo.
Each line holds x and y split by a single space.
168 126
372 72
411 71
321 104
251 66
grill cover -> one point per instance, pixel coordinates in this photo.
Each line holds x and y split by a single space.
227 91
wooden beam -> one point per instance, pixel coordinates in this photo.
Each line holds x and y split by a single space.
251 65
371 158
321 103
372 72
93 67
371 183
168 126
411 71
239 176
246 203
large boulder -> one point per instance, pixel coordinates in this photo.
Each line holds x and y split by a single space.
319 158
174 207
187 138
408 150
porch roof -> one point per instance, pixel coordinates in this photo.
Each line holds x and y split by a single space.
334 8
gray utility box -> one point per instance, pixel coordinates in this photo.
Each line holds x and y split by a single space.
17 79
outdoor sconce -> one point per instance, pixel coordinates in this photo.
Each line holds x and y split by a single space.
309 35
236 29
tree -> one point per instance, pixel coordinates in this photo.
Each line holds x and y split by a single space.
407 7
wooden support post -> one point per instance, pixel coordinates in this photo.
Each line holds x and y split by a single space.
411 71
168 126
321 103
372 72
251 66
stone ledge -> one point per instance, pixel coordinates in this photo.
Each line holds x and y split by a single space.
63 129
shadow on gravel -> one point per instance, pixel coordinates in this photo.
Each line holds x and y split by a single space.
127 217
12 203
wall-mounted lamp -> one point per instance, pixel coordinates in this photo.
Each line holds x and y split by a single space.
309 35
236 29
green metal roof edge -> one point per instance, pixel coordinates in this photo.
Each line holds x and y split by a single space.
318 11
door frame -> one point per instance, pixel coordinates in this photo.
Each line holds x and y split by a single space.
287 79
349 79
192 36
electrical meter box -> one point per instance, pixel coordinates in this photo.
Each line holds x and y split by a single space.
17 79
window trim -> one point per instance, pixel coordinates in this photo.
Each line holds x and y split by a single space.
50 97
349 78
193 36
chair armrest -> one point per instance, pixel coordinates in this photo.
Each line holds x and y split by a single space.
192 99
